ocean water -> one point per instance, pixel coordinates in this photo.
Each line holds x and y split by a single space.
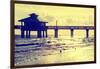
53 50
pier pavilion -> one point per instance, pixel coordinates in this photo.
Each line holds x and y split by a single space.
33 24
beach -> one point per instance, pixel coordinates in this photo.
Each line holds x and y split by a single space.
52 50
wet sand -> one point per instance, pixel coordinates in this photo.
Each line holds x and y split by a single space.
61 51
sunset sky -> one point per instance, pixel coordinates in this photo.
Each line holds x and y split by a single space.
65 16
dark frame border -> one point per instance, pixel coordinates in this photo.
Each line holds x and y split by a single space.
12 15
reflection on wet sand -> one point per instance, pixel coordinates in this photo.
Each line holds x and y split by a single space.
53 50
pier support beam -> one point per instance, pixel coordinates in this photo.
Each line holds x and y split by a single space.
39 34
27 35
46 34
43 34
72 32
56 33
22 34
22 30
87 33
